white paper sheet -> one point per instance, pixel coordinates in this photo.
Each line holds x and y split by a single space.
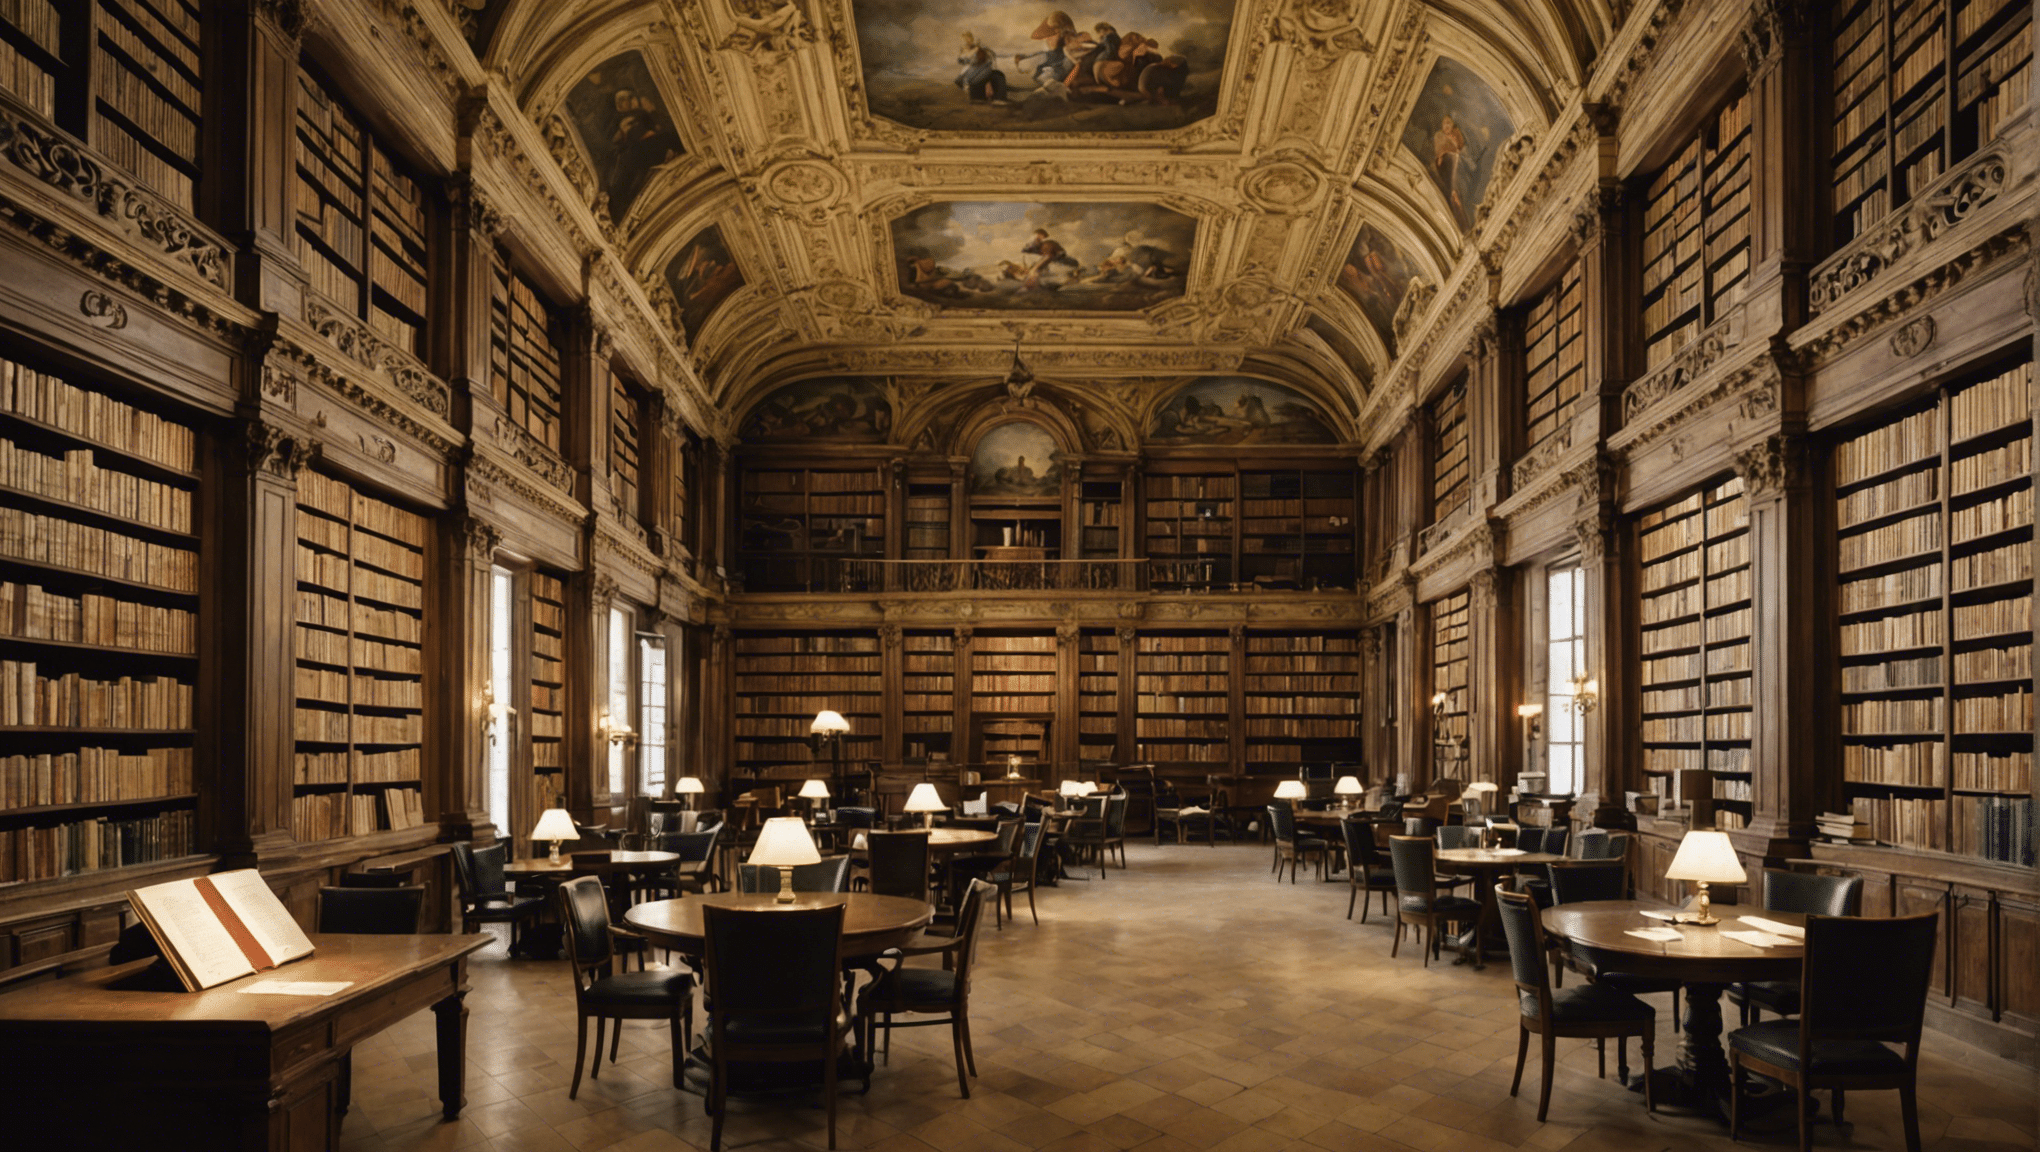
296 987
1661 935
1775 928
1507 852
1192 810
1657 915
1760 939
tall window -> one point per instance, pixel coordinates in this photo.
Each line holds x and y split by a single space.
500 723
1565 663
619 696
651 715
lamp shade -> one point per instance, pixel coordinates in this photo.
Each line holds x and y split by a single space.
815 790
924 799
688 785
1291 790
1348 786
1707 856
829 723
1483 786
784 843
554 824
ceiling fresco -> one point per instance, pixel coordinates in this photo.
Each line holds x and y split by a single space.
1026 256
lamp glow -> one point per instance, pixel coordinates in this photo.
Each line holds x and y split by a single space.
1291 790
925 800
1529 711
815 790
555 825
689 787
1704 858
1349 787
829 723
784 843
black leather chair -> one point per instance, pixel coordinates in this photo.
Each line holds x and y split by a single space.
1548 840
1590 1011
1364 869
1808 892
1577 881
1019 873
832 874
981 865
774 990
943 993
1863 988
371 911
1458 836
606 994
485 898
1418 901
693 872
1099 837
380 878
899 863
1289 845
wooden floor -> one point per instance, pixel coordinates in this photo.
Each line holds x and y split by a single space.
1188 1003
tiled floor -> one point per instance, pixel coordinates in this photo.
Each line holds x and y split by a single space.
1188 1003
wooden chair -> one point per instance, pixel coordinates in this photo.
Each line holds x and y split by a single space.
981 865
1417 900
1590 1011
367 912
606 994
485 896
899 863
943 993
1364 870
775 995
831 875
1019 873
1807 892
1862 988
1289 846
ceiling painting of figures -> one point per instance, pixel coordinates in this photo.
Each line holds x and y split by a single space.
1026 256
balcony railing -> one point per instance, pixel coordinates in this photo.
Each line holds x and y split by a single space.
854 575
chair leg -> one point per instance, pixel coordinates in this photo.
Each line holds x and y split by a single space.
1601 1057
1522 1050
1622 1059
829 1085
1736 1079
1649 1098
1030 904
1396 945
1544 1092
969 1056
580 1055
601 1024
1800 1099
1351 897
615 1039
956 1041
1909 1107
678 1036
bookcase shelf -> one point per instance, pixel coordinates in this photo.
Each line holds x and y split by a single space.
625 450
1297 529
1302 694
784 678
1101 515
928 691
798 527
1696 239
1935 619
547 692
1183 711
524 356
1451 464
927 527
1451 653
1554 341
1190 531
1098 695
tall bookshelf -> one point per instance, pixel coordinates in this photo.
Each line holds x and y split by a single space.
1934 515
1696 233
361 221
784 678
928 693
1190 530
548 692
1013 686
1696 620
625 427
524 360
1098 695
1302 695
800 529
99 566
927 527
1555 350
1917 88
1451 654
1101 515
1298 529
1451 476
1183 699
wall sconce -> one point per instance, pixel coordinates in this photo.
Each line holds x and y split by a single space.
1533 714
495 714
615 731
1438 704
1586 694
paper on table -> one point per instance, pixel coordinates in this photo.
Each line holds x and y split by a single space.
1662 935
1760 939
1657 915
1775 928
1192 810
1509 852
296 987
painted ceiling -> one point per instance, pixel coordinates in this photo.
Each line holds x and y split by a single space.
872 192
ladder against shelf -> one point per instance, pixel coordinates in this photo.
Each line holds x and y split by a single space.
1183 699
783 678
1302 694
928 691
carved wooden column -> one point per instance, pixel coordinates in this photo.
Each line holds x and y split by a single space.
1785 47
892 736
1067 717
248 643
1413 675
1791 579
584 408
1127 750
1607 724
462 613
1610 286
1236 698
1490 415
463 296
959 734
1493 674
712 508
718 690
248 150
1375 753
587 750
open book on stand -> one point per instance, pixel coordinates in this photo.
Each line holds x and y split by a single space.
219 928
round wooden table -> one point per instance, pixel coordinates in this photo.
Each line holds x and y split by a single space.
617 861
871 923
1702 959
1486 866
950 841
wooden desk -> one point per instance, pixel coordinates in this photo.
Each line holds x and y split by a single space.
871 923
111 1059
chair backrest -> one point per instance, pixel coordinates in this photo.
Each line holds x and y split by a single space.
1812 893
830 875
584 913
1009 836
1282 819
371 911
772 966
1555 840
969 915
489 863
691 847
375 879
1458 836
1592 844
1030 845
857 817
1583 880
1414 861
633 841
1518 913
1866 979
464 870
1359 837
1115 814
899 863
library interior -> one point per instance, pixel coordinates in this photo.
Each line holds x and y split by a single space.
692 522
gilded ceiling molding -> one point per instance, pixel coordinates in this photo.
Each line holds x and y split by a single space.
1321 32
423 43
1946 204
1632 50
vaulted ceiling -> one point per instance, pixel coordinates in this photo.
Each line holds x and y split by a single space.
1268 188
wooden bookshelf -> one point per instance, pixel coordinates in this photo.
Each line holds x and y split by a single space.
99 566
1302 694
1451 654
360 692
784 678
1298 529
1554 340
547 702
1190 531
1098 720
1183 699
1101 516
524 358
927 528
1934 546
928 693
361 221
625 422
802 529
1918 87
1451 477
1696 238
1013 688
1696 620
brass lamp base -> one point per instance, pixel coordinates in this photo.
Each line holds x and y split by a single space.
1701 915
554 858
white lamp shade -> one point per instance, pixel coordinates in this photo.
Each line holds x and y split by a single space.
924 799
1483 786
829 723
688 785
1348 786
555 824
815 790
1291 790
784 843
1707 856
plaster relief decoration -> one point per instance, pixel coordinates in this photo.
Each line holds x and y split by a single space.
1377 276
1015 459
1235 410
702 276
766 27
624 128
1343 347
1033 256
1455 131
988 65
841 408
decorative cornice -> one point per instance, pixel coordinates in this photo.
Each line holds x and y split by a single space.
268 448
290 16
1773 464
1539 459
103 310
1750 377
1687 365
1913 338
289 362
2010 244
1946 204
525 448
356 341
472 211
482 537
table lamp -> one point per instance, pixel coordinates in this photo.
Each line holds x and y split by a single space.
784 843
925 800
689 787
1292 791
1473 802
818 792
555 825
1348 786
1705 858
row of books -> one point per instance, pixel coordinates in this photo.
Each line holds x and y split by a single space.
1901 716
71 700
1152 662
1992 771
82 547
46 852
1998 828
1914 437
1994 618
753 644
339 614
93 776
94 416
1907 586
2006 462
1164 704
1992 404
1319 729
1892 675
333 648
547 697
1894 541
1301 685
31 612
1915 764
2006 712
1971 16
984 702
1997 566
1980 664
1189 487
1178 753
75 477
1892 633
2005 101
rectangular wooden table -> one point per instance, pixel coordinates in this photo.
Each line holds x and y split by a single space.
120 1058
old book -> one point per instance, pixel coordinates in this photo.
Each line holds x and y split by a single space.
219 928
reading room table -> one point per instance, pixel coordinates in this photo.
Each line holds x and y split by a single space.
122 1057
1486 866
